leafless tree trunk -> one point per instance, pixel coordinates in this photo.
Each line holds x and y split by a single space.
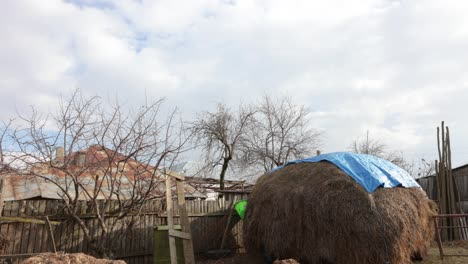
109 157
219 133
280 132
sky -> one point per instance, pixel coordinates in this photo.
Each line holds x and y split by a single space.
393 68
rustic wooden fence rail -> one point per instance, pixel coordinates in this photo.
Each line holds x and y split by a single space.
24 224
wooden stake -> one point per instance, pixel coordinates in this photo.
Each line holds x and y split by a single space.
184 222
439 242
226 229
1 197
170 220
51 234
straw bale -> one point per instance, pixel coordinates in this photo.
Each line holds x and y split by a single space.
316 213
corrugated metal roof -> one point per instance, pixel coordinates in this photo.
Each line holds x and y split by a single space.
127 179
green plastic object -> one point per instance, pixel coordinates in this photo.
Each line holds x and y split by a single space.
240 208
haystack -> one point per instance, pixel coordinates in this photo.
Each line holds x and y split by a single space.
316 213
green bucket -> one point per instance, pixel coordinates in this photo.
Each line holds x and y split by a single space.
240 208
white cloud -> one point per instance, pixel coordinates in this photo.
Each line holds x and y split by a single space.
395 68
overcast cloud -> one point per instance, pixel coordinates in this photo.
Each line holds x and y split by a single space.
395 68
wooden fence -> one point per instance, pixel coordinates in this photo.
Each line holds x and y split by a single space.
22 222
427 184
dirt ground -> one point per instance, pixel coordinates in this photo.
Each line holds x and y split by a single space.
433 258
244 259
78 258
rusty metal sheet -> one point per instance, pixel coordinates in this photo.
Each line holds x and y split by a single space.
131 178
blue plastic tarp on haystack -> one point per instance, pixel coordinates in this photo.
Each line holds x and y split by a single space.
369 171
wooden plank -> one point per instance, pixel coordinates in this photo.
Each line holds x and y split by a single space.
121 234
59 237
149 233
170 224
1 197
51 235
4 230
21 255
8 208
153 223
175 175
15 208
184 222
92 230
44 244
69 235
39 236
180 234
25 231
211 214
12 227
84 244
25 220
226 230
32 228
137 233
439 242
64 236
79 239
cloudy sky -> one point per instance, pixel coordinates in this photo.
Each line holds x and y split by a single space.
395 68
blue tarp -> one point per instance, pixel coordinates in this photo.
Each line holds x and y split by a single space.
369 171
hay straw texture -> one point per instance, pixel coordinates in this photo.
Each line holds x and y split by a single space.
59 258
315 213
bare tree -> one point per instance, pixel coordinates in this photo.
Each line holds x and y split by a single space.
368 146
425 169
375 147
108 157
280 132
371 146
219 133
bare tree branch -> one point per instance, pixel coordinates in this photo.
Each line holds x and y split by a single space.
375 147
110 157
280 132
220 133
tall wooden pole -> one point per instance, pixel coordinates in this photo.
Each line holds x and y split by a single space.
1 197
170 219
189 255
449 197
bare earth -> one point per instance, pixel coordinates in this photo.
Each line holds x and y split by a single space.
433 258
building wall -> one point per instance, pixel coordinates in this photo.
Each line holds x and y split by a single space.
461 179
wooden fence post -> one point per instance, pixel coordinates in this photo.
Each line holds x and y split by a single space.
170 220
1 197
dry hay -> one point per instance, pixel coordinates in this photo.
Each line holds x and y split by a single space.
77 258
315 213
